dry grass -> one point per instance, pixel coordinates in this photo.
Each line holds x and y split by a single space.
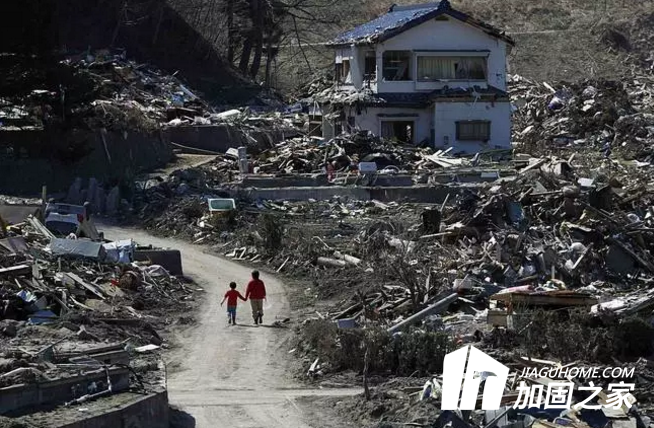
577 336
412 353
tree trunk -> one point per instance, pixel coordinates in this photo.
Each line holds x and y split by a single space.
231 41
269 61
257 28
245 54
366 364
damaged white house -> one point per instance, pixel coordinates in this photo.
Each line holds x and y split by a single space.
422 74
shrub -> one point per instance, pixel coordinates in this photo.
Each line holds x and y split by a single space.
402 355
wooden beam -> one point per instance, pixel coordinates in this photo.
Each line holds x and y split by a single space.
18 270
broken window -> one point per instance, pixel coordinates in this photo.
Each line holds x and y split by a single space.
345 71
401 130
370 67
432 68
473 130
396 65
342 71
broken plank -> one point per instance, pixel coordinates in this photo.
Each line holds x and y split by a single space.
93 289
534 165
538 299
325 261
79 304
18 270
283 264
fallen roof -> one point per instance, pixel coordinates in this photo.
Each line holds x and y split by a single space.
547 298
401 18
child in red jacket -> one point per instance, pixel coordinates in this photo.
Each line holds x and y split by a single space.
232 297
256 292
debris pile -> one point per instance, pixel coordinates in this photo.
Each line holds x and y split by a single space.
46 278
417 402
606 116
561 234
80 312
308 155
104 90
345 153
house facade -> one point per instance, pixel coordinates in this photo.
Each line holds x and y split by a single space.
423 74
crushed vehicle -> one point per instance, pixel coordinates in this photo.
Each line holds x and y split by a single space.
65 219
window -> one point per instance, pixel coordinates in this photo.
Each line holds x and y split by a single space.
473 130
346 71
396 65
342 71
432 68
370 67
401 131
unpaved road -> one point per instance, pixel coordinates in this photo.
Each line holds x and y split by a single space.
233 376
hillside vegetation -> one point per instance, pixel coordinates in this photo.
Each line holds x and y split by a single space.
555 40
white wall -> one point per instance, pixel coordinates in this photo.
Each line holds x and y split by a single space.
444 35
370 121
446 114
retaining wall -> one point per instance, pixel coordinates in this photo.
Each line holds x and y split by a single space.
152 411
19 399
31 159
418 194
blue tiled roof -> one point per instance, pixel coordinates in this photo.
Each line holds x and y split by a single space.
401 18
395 18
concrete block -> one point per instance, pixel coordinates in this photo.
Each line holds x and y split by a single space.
17 398
152 411
171 260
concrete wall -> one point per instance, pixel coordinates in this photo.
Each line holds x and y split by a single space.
451 35
446 114
152 411
370 120
424 194
171 260
31 159
19 398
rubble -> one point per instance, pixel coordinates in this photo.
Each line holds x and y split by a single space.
105 91
82 318
108 91
343 154
557 249
599 115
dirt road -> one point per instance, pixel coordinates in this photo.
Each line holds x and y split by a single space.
233 375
